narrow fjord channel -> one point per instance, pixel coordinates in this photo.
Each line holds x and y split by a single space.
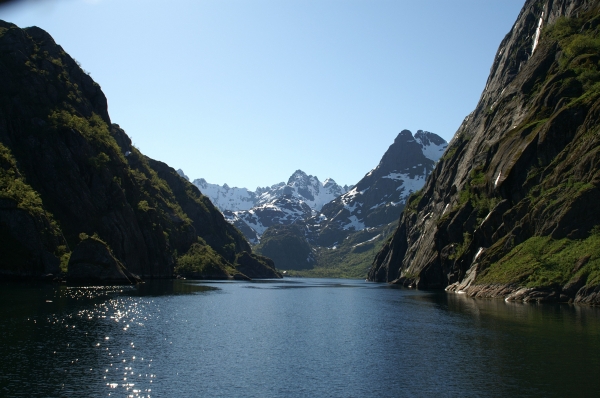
288 338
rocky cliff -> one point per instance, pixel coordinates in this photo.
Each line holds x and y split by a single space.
511 208
67 173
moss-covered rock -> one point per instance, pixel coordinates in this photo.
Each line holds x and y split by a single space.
93 262
202 262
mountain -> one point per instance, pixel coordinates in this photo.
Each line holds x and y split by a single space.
379 197
283 203
343 236
76 196
511 208
226 198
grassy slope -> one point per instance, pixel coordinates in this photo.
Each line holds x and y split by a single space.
542 261
350 259
545 262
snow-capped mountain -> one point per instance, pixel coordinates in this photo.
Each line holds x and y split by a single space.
305 188
227 198
358 219
282 210
379 197
328 212
253 212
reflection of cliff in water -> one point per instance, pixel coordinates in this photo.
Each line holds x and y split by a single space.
527 341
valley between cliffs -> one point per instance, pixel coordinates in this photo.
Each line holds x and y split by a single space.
511 210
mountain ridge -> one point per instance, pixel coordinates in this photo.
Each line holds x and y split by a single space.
252 212
71 178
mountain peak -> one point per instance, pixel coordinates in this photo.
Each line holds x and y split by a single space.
432 145
329 182
401 156
404 136
182 174
298 175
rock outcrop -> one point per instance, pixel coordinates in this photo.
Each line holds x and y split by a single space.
511 208
66 171
93 262
288 246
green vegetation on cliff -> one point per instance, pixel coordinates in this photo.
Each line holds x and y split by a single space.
544 262
80 174
19 201
563 182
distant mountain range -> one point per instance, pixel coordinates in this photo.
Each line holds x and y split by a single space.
297 221
303 187
254 211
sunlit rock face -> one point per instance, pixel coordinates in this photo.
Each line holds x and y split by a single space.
510 210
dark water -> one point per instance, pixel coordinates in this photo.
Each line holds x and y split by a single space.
290 338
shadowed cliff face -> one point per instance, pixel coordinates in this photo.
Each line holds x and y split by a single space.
512 205
67 172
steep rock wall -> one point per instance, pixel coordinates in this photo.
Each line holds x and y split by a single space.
520 176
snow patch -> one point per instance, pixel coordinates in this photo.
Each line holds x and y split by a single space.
409 184
355 223
478 253
367 241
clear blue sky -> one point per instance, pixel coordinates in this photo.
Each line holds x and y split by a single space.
246 92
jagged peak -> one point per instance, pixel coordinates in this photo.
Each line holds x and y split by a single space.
427 138
403 136
182 174
329 182
298 175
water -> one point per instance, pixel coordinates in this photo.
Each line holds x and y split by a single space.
290 338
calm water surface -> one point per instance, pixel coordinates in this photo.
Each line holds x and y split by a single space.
289 338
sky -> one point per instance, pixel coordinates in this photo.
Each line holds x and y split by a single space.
246 92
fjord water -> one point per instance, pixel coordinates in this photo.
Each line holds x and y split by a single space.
289 338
